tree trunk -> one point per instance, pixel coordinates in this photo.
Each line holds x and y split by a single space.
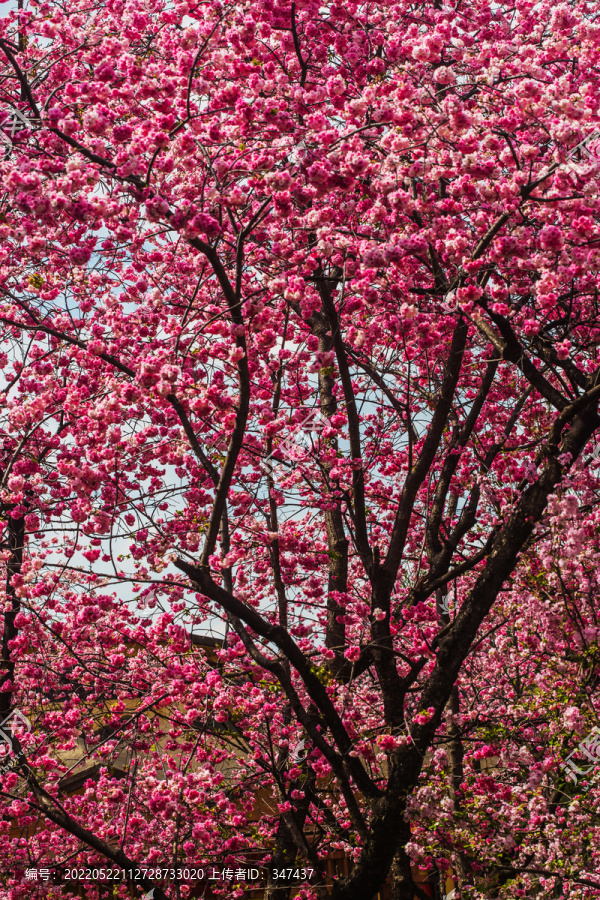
337 542
402 884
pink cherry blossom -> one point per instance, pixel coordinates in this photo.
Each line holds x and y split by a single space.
299 479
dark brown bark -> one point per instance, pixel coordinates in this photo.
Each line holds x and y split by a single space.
402 883
337 543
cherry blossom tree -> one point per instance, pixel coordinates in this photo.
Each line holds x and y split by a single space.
300 320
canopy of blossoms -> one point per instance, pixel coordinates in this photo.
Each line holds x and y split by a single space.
299 322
